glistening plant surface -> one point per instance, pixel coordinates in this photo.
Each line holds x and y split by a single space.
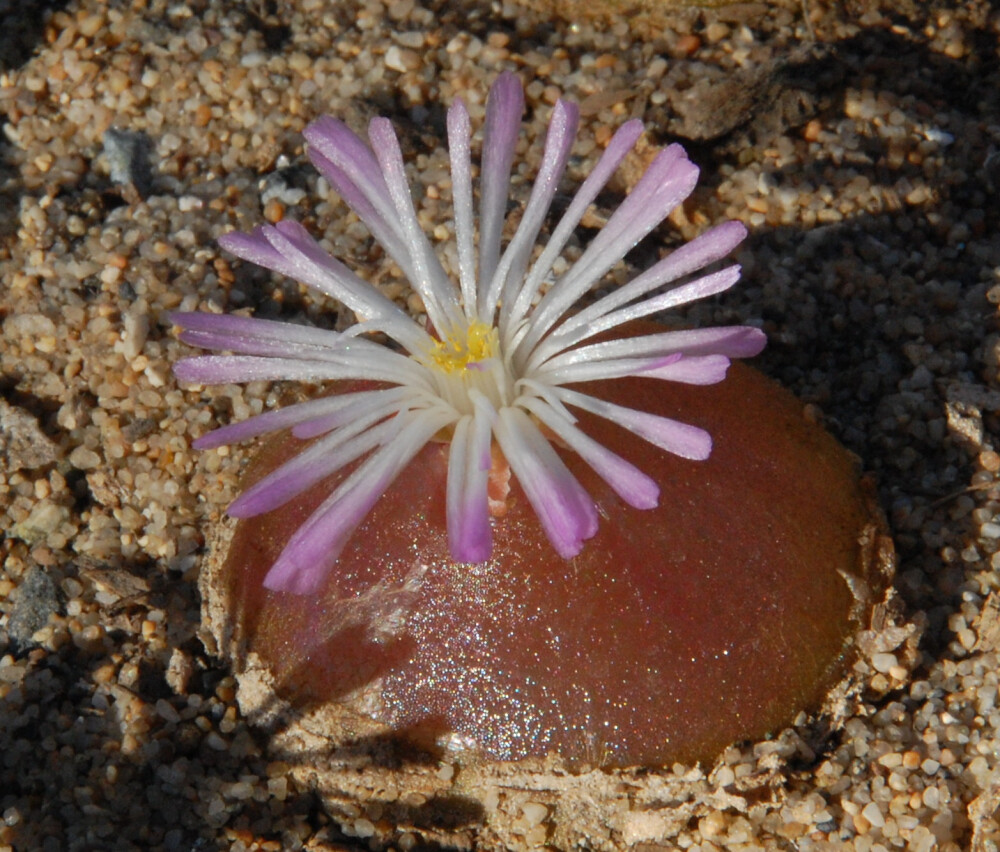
718 615
627 652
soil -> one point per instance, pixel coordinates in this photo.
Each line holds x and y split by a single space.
860 143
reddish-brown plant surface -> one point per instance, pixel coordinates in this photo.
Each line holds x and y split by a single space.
713 618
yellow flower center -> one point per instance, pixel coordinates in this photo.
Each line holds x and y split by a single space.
454 355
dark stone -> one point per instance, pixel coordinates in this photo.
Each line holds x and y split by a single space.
34 601
129 154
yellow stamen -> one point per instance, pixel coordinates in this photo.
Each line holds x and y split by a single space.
453 354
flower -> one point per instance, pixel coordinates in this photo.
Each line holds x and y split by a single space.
494 366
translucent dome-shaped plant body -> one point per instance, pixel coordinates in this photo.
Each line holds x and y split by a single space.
715 617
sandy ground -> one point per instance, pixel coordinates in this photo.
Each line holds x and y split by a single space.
860 142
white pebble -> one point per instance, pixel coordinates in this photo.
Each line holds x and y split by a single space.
253 59
534 813
872 813
401 60
240 790
110 274
935 134
166 711
363 828
725 776
215 742
883 662
136 329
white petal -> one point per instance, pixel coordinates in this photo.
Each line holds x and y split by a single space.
272 421
469 535
313 548
223 369
682 439
694 370
504 106
566 511
355 174
669 180
321 459
510 271
358 405
429 278
629 483
459 134
606 368
619 146
737 341
707 248
701 288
